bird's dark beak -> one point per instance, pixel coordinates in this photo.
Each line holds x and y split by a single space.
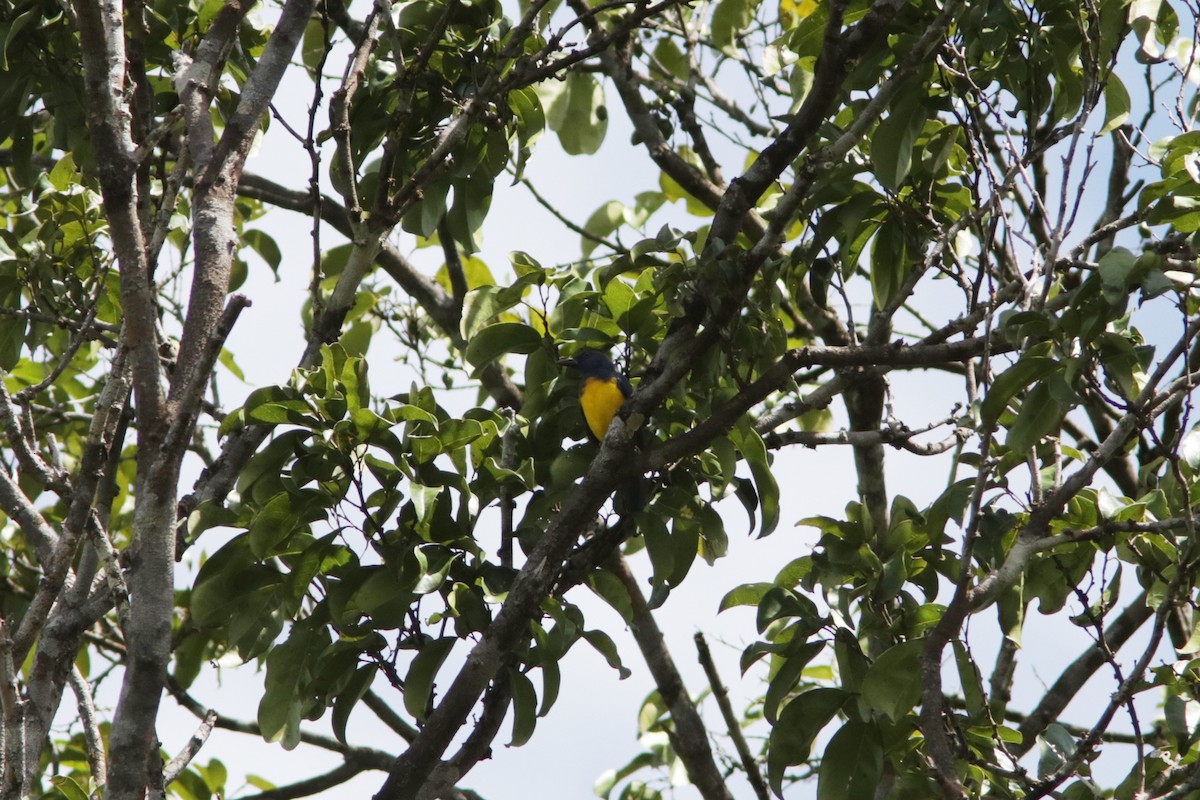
568 362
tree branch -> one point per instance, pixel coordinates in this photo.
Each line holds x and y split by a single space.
18 508
179 763
12 706
732 724
690 738
92 738
383 709
320 783
1078 672
371 758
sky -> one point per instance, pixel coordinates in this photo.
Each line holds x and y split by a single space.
593 727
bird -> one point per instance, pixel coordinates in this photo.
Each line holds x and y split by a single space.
602 392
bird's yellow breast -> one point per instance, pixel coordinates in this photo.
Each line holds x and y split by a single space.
600 400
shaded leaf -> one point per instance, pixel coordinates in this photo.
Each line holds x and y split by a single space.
792 736
419 682
892 685
852 763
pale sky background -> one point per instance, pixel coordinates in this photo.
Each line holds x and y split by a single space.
593 726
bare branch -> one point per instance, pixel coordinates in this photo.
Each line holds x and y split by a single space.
889 356
92 738
17 506
478 744
189 406
315 785
1077 673
732 723
383 709
179 763
895 435
690 737
370 758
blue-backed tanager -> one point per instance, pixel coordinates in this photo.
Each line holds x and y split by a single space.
602 392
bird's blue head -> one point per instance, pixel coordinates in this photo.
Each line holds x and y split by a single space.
591 364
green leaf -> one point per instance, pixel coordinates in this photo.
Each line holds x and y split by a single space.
606 647
1189 448
657 538
531 121
672 191
348 698
1056 745
276 405
792 736
266 248
188 658
225 581
551 683
69 787
748 594
281 707
312 49
969 678
685 545
226 360
524 704
273 524
751 446
498 340
892 685
209 514
852 764
1155 24
889 262
604 221
669 60
31 15
730 18
609 779
851 661
1012 380
524 264
894 139
472 200
65 173
1040 415
619 297
423 216
481 306
1117 270
12 341
1116 104
650 715
455 434
779 602
578 114
434 563
378 594
418 683
788 675
613 591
